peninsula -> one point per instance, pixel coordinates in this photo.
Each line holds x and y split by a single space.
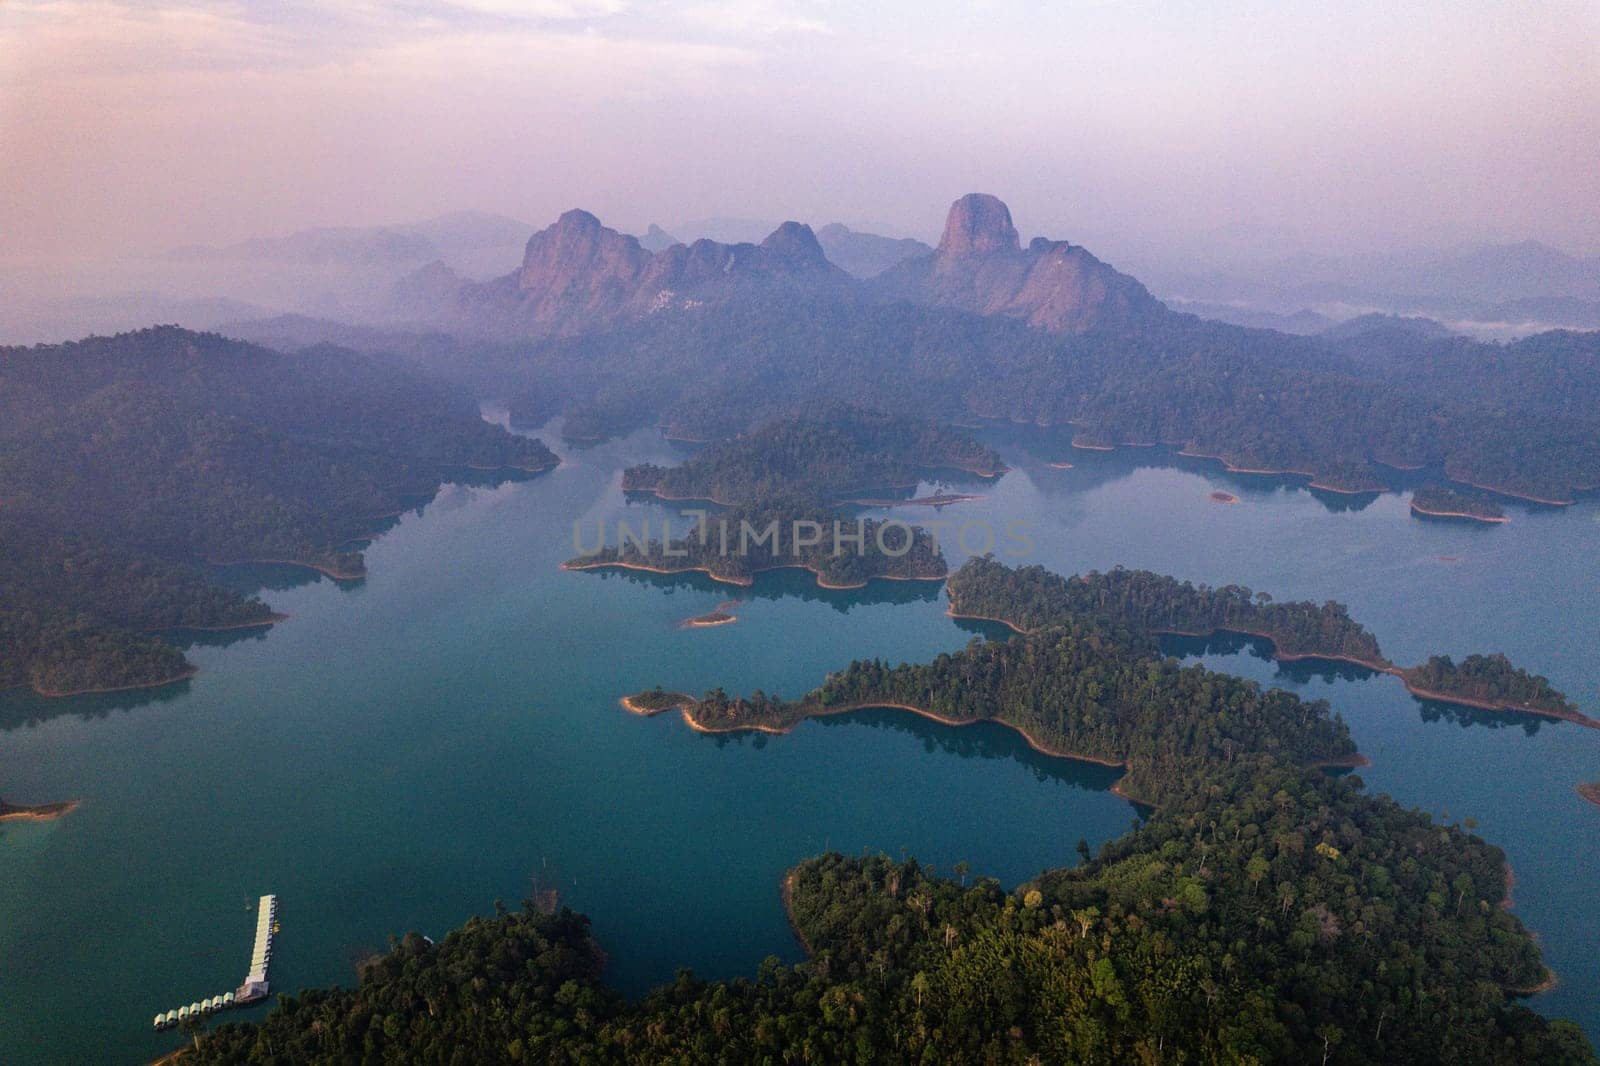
134 462
42 812
1030 598
1438 502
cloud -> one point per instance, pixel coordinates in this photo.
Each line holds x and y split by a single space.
541 9
751 18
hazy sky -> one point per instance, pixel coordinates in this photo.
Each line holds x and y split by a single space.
1329 126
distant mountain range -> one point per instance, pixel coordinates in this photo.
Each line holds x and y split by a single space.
578 276
444 237
1489 289
866 255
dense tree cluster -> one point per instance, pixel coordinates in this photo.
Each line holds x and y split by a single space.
824 455
125 461
1263 913
1489 679
1438 500
1076 689
1031 597
1518 417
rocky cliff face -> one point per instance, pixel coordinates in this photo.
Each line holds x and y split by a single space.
980 266
578 275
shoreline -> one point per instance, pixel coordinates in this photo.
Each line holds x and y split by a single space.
937 500
38 812
56 694
744 583
270 620
1508 493
1493 520
923 712
1575 717
709 621
786 894
631 707
325 571
1344 761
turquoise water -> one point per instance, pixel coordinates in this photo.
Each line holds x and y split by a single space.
403 752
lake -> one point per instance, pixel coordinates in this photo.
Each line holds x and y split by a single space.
404 751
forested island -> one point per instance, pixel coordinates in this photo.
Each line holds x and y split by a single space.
1439 502
733 546
128 463
38 812
1079 690
824 455
1265 911
1030 598
1490 682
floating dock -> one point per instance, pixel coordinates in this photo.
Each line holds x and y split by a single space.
255 982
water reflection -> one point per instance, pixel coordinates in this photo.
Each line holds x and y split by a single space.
784 584
21 707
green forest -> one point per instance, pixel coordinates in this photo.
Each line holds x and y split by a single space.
1075 689
1518 417
127 463
1489 679
824 455
1264 912
1437 500
1031 597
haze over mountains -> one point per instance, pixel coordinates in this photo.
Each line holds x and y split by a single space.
384 275
579 275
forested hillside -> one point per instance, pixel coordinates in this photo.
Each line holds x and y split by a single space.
126 462
1255 398
1031 598
1265 912
824 455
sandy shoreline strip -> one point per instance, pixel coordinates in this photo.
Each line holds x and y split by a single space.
55 694
38 812
742 582
1493 520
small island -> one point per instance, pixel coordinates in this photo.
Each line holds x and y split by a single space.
656 700
42 812
1590 790
1438 502
711 619
1491 683
1224 497
829 456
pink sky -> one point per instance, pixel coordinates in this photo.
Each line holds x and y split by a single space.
128 127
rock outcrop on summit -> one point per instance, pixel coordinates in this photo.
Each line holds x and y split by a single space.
579 275
980 266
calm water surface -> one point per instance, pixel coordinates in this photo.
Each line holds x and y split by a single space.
403 752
